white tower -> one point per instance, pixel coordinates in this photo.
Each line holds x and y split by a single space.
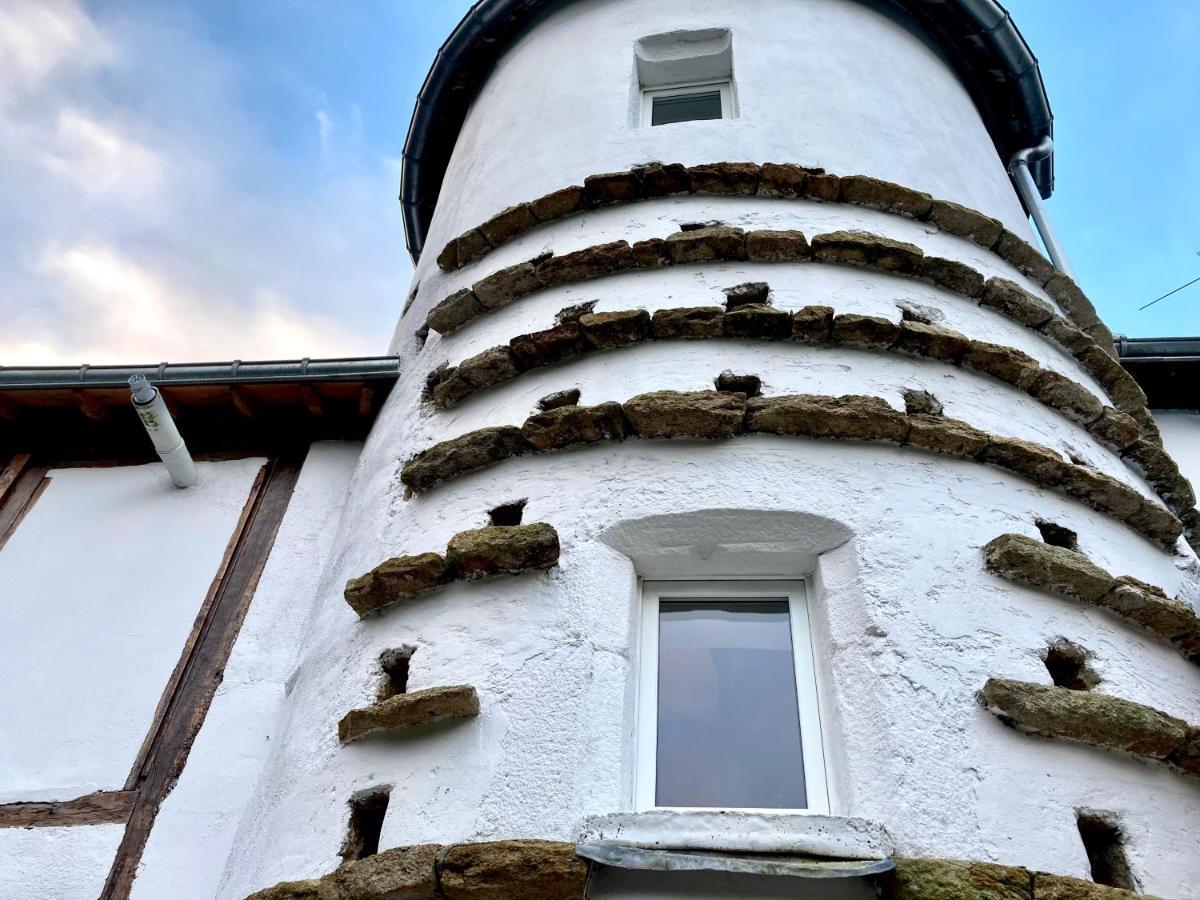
832 585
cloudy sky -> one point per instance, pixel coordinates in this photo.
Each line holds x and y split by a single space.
216 179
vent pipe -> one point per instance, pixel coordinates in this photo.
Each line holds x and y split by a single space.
168 443
1018 167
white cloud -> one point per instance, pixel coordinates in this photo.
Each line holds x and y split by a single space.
100 158
38 36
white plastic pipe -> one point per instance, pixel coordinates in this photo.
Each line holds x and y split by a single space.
168 443
1018 167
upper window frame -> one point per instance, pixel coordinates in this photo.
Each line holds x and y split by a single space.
723 85
804 665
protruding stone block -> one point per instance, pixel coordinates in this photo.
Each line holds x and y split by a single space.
1150 607
1155 522
1084 717
747 293
1010 299
758 321
470 245
859 248
609 330
716 242
459 455
1066 335
401 873
559 204
1126 393
951 275
851 417
1017 368
931 341
813 325
502 550
688 323
952 879
1101 492
1023 257
590 262
1069 397
1116 428
1060 887
725 178
864 332
964 222
407 710
613 187
395 580
1071 300
697 414
820 185
551 345
448 259
777 246
508 870
454 312
875 193
650 254
569 397
1040 565
492 366
509 284
566 425
661 181
943 435
1039 464
511 223
782 180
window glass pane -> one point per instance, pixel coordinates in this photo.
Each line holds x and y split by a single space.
728 720
686 107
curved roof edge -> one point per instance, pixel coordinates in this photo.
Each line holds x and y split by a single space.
978 37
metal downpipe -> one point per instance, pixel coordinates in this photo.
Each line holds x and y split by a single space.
1018 167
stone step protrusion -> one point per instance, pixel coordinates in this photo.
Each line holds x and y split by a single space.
401 711
479 553
547 870
1098 720
1069 573
957 879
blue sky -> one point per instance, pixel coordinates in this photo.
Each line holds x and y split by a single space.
210 179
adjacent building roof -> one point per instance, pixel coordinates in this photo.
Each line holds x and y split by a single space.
977 37
1168 369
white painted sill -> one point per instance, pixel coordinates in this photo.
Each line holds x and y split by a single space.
832 837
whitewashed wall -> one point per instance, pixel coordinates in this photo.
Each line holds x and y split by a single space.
1181 436
59 863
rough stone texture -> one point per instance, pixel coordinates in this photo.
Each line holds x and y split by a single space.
1013 366
513 870
1125 392
1187 757
470 451
1023 257
813 325
749 292
820 185
457 701
1066 335
1150 607
402 873
1070 398
557 428
502 549
725 178
664 180
697 414
395 580
574 312
511 223
782 180
1056 569
1116 428
1156 522
1084 717
750 385
1101 492
559 399
448 259
951 275
448 388
965 222
776 246
470 245
864 332
612 187
1014 301
551 345
850 417
492 366
931 341
309 889
952 879
650 254
858 248
590 262
608 330
943 435
454 312
688 323
1039 464
758 321
508 284
706 244
862 190
1071 300
560 203
1060 887
921 403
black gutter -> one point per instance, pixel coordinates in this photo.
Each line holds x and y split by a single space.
367 368
1152 349
977 37
1168 369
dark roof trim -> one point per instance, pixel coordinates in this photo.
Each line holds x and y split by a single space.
236 372
977 37
1177 349
1168 369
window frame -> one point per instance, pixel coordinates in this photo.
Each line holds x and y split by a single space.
724 85
804 665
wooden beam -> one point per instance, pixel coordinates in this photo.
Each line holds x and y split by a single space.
244 402
99 808
21 497
201 670
11 472
312 400
8 411
366 399
93 407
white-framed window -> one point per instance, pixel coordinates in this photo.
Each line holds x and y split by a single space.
687 103
727 699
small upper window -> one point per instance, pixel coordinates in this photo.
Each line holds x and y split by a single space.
686 103
727 712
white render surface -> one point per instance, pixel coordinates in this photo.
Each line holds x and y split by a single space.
1181 436
57 863
101 584
740 832
196 826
